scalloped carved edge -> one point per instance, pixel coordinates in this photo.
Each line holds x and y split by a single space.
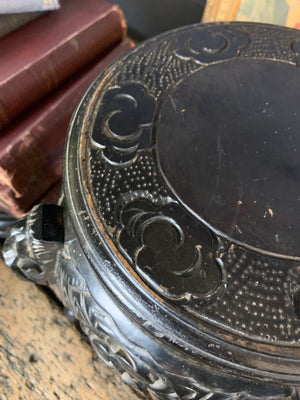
120 130
206 45
199 260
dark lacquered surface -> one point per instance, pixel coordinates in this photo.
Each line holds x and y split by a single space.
206 121
229 142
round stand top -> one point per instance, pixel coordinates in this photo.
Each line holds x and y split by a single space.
182 173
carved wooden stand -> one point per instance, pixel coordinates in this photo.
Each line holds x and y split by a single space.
176 245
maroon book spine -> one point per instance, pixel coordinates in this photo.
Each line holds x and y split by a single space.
19 207
10 204
41 55
31 149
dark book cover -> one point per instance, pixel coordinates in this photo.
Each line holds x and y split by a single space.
38 57
147 18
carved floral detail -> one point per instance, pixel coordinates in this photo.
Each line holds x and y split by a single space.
167 256
136 365
209 45
108 340
123 124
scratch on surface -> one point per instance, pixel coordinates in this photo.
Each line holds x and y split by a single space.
238 229
269 212
237 211
173 103
252 232
220 150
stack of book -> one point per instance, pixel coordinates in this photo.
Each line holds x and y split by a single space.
46 66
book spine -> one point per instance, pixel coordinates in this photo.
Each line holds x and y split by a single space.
31 150
38 57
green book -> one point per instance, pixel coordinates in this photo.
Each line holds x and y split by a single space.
268 11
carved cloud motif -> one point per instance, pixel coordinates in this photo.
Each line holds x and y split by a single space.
167 256
211 44
123 123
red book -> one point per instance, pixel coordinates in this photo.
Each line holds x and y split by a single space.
10 204
17 207
31 149
41 55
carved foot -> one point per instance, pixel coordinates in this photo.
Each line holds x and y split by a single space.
33 242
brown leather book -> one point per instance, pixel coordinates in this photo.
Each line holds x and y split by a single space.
31 149
38 57
10 204
16 207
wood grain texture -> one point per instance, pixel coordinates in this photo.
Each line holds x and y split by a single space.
43 355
